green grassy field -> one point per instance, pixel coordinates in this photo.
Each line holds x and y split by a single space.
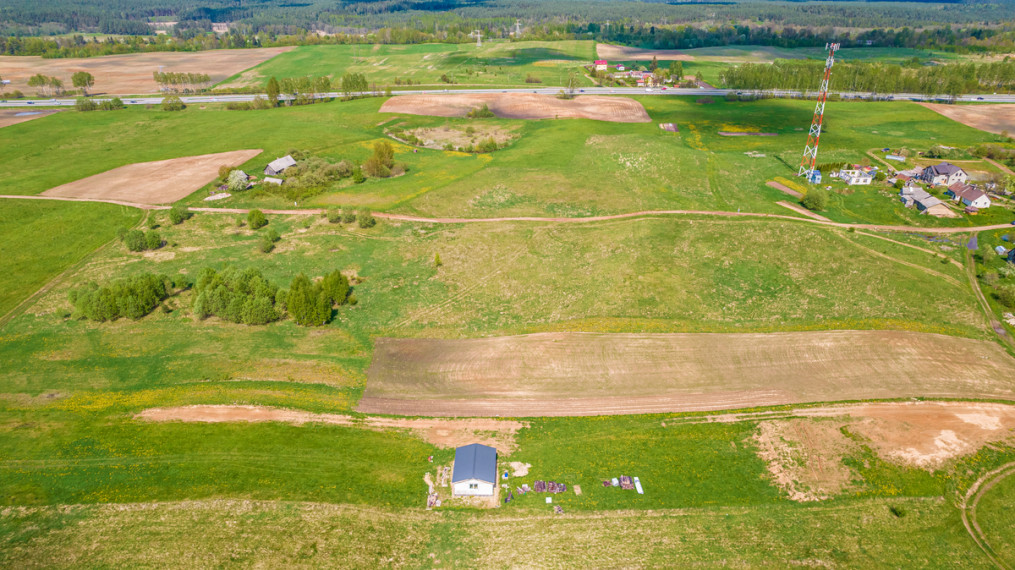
625 167
41 239
496 63
996 517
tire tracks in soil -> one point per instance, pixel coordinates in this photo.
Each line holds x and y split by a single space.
968 509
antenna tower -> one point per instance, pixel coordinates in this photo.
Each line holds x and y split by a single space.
810 157
518 28
478 34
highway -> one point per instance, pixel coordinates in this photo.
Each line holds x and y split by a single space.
199 99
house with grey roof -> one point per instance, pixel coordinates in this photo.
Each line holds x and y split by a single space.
475 471
276 166
969 196
944 174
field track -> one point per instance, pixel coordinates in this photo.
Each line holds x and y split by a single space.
578 220
565 374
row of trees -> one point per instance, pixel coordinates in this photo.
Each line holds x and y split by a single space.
86 104
179 82
954 79
247 297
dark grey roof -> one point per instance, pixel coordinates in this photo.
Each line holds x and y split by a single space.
475 461
945 168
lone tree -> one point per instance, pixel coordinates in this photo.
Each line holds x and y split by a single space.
83 80
274 90
173 103
815 199
256 219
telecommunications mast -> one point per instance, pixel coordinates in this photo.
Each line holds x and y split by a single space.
810 158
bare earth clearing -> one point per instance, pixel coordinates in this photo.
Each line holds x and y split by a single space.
565 374
804 456
131 74
521 106
624 53
159 182
442 433
10 117
990 118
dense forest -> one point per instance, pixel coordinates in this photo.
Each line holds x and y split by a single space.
48 27
949 80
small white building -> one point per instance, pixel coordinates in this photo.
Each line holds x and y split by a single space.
855 177
475 472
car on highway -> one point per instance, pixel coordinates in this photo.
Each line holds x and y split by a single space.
979 98
30 102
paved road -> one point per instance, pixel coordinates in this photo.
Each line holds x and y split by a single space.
580 220
196 99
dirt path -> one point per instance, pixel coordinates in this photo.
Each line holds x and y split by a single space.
803 211
580 220
784 188
1000 166
968 508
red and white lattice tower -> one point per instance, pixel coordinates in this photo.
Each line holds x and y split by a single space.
810 157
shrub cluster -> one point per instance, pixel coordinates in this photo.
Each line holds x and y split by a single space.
178 214
259 103
137 240
310 304
256 219
238 296
133 297
85 104
483 112
173 103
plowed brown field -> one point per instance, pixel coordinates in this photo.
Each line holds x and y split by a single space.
158 182
521 106
990 118
560 374
131 74
625 53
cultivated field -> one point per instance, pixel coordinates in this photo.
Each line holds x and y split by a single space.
131 74
10 117
561 374
495 63
991 118
521 106
159 182
625 53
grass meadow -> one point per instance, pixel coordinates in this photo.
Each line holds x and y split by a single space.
495 64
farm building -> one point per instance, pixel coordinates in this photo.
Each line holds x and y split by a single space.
620 67
968 195
278 165
944 174
270 180
475 472
924 202
601 65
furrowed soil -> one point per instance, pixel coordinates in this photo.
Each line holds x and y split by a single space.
565 374
991 118
521 106
608 52
158 182
131 74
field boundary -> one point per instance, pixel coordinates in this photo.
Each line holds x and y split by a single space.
968 510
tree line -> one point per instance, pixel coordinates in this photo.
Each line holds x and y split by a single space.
180 82
953 79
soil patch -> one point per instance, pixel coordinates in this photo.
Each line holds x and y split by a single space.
563 374
520 106
442 433
159 182
460 137
804 457
624 53
784 188
131 74
519 469
803 211
10 117
990 118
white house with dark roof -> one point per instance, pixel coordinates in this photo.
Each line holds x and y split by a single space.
944 174
969 196
276 166
475 472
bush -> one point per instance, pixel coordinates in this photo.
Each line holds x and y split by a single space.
348 217
134 240
256 219
357 176
266 245
85 104
173 103
133 297
334 215
532 79
272 235
114 104
307 303
483 112
178 214
366 219
1006 296
241 297
336 287
237 181
815 199
153 240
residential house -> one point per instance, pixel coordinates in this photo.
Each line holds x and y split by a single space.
620 67
968 195
601 65
278 165
944 174
475 471
856 176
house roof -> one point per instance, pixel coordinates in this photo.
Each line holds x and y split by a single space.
280 164
475 461
964 191
928 202
600 62
945 168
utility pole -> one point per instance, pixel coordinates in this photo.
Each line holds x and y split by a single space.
478 34
810 157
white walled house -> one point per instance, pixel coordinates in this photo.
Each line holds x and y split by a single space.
856 177
969 196
475 472
944 174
